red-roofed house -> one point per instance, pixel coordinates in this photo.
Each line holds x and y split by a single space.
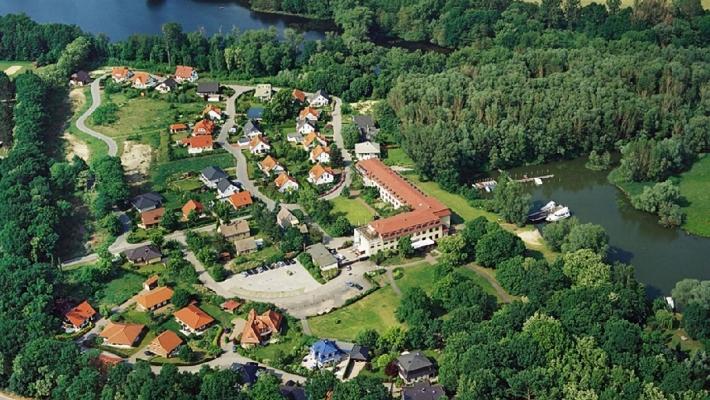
120 74
151 218
241 199
192 205
309 113
150 283
177 128
427 221
183 73
260 328
298 95
203 127
154 299
165 344
122 335
81 315
198 144
142 80
192 319
320 155
320 175
231 305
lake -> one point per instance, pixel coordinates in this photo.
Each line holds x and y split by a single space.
121 18
661 256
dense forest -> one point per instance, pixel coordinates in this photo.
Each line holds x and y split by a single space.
523 84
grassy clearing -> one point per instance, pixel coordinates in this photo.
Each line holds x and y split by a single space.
375 311
354 209
694 188
161 173
397 156
479 280
120 289
420 275
455 202
25 66
224 318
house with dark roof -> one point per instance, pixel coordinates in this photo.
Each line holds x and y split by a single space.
249 372
319 99
291 391
147 201
251 129
143 255
424 391
166 85
415 366
226 188
80 78
359 353
209 91
366 125
211 175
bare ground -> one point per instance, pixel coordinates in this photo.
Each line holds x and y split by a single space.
531 237
12 70
364 106
136 161
76 146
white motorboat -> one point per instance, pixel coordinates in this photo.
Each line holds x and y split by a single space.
548 207
558 214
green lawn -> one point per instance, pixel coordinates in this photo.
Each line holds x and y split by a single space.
397 156
121 289
354 209
162 172
479 280
253 260
375 311
419 275
454 201
695 188
26 65
224 318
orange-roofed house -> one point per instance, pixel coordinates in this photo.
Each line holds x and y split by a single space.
193 320
121 74
183 73
122 335
154 299
298 95
104 362
190 206
178 128
150 283
427 221
142 80
313 139
284 183
198 144
231 305
320 175
203 127
212 112
320 154
258 145
269 165
151 218
166 344
309 113
240 200
259 328
81 315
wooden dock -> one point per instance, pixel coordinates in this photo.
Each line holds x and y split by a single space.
526 179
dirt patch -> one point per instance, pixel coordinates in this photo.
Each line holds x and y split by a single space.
364 107
78 99
12 70
136 161
531 237
76 147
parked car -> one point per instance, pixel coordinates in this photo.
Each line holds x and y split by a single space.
349 284
357 286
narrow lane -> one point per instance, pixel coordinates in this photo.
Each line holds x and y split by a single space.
81 121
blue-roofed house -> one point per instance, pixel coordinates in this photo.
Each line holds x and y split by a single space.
256 113
325 353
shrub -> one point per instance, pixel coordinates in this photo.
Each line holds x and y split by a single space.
105 114
497 246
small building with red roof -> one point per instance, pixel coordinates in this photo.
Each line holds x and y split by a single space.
166 344
190 206
193 320
81 315
231 305
203 127
184 73
178 127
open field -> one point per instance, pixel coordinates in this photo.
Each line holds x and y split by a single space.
455 202
13 68
161 173
397 156
694 188
354 209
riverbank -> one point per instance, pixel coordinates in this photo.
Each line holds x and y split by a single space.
693 185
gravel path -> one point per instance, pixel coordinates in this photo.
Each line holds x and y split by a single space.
81 122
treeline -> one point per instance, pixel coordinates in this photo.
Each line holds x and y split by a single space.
583 329
459 23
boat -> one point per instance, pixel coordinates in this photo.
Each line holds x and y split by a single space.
537 181
542 213
549 206
558 214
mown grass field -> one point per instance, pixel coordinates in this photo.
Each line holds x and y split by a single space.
695 188
354 209
397 156
161 173
455 202
25 66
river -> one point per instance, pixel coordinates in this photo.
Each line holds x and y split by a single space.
660 256
120 18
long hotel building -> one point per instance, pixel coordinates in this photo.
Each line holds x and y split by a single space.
427 220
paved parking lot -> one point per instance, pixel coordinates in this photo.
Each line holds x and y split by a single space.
280 282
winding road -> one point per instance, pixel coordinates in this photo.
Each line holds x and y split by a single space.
95 103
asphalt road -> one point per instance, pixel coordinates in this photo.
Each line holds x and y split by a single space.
81 122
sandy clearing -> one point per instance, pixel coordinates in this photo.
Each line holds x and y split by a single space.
531 237
12 70
364 106
78 99
76 147
136 161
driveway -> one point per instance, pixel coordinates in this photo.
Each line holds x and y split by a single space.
95 103
347 158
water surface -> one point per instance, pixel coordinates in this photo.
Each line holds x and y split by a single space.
660 256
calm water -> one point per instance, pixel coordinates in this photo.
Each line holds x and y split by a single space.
120 18
661 256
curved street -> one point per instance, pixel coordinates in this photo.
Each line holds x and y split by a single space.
81 121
